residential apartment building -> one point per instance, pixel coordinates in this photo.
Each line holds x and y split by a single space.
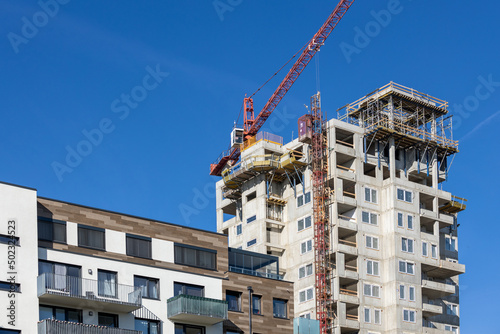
393 251
69 268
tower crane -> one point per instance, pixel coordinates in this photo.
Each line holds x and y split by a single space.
252 125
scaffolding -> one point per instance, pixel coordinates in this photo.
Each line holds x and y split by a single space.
414 119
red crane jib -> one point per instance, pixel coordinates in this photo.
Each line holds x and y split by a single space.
300 64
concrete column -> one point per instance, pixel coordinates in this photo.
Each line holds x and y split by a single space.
435 172
340 260
392 158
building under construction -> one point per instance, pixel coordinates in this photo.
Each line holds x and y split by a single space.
354 210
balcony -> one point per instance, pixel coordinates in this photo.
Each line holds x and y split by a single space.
305 326
435 290
348 296
430 310
191 309
49 326
79 292
444 269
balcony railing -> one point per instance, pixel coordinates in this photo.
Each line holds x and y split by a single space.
49 326
255 273
202 310
71 290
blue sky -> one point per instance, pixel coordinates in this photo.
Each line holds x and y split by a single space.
157 86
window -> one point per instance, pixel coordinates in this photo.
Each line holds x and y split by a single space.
280 308
377 315
401 220
300 201
147 326
257 304
410 222
424 249
367 314
149 286
369 217
307 197
402 291
195 256
107 283
11 287
138 246
404 195
371 195
306 247
371 242
239 229
233 299
306 295
371 290
51 230
91 237
408 315
407 245
251 196
251 219
304 223
108 320
450 243
188 289
9 240
306 315
434 251
412 293
452 309
59 313
406 267
251 242
60 276
305 271
189 329
452 329
372 267
9 331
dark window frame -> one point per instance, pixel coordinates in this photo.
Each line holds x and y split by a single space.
7 286
92 228
115 295
275 314
141 238
52 238
259 299
187 285
114 316
158 322
9 240
180 258
236 294
66 309
184 326
148 279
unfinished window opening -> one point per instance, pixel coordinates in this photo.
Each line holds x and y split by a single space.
346 162
386 173
369 170
251 196
343 137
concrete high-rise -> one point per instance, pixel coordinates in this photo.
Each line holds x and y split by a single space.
393 251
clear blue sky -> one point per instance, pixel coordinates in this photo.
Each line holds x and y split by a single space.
72 72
